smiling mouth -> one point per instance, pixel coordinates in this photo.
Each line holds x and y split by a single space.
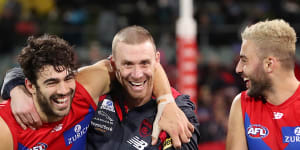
60 100
137 83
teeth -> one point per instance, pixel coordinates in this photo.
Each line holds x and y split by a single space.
63 100
136 83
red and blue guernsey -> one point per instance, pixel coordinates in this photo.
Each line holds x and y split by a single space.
67 134
270 127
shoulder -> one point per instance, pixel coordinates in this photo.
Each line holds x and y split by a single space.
236 105
6 138
237 99
82 97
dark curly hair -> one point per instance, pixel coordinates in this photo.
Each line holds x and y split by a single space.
46 50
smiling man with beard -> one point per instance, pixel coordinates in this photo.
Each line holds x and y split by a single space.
64 105
267 115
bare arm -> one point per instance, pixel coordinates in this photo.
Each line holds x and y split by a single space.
169 117
6 140
96 78
236 139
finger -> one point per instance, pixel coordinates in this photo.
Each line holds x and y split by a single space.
24 119
176 141
188 133
155 132
154 141
29 118
36 119
191 127
20 122
184 138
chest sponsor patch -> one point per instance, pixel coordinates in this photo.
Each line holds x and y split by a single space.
145 128
108 105
103 120
257 131
291 134
76 136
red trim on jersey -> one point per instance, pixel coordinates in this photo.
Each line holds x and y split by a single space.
162 136
175 93
119 110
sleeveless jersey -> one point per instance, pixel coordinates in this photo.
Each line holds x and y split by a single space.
66 134
270 127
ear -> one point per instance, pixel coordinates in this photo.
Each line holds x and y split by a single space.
31 88
157 57
269 64
112 63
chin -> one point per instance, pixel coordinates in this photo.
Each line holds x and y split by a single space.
63 113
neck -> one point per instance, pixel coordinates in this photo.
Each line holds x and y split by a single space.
136 102
282 89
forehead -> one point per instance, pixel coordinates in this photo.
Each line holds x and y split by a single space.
135 52
249 49
48 71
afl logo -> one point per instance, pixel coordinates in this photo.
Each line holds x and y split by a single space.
40 146
257 131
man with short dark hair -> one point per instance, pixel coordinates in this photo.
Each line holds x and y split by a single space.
64 105
125 116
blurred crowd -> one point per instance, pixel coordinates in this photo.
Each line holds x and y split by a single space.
90 25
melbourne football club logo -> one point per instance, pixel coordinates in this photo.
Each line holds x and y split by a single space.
257 131
145 128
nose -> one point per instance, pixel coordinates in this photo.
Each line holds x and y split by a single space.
238 68
137 72
62 88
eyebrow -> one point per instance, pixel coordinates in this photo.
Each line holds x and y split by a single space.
50 80
55 79
243 57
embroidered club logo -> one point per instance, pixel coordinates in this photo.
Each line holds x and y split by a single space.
257 131
145 128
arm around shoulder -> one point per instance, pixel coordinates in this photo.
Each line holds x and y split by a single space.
236 138
188 108
6 140
96 78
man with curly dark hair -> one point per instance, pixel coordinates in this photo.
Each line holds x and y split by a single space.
64 105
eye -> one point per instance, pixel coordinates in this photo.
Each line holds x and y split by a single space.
51 83
69 77
128 64
145 63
